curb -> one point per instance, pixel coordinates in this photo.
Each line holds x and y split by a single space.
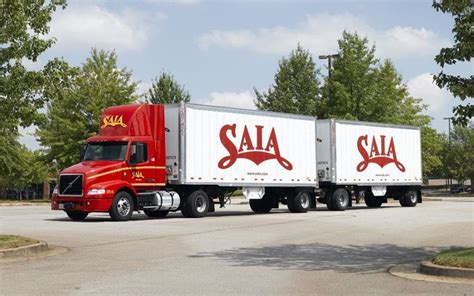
428 267
24 251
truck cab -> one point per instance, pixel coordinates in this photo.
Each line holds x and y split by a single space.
124 159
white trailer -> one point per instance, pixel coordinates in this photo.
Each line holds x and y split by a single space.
370 159
271 156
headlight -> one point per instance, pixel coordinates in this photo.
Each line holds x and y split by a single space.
96 191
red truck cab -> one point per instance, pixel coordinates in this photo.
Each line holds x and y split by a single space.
125 158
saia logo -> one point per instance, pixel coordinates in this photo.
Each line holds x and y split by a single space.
378 153
137 175
113 120
248 149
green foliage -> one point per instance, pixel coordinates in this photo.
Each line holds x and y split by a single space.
363 88
296 87
461 51
77 96
432 145
166 90
459 154
350 92
23 27
22 167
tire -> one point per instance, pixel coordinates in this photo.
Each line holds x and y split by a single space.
340 199
328 199
196 205
156 214
122 207
77 216
409 199
299 202
261 206
372 201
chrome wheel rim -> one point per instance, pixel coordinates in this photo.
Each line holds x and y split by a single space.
304 201
342 200
200 204
123 206
413 197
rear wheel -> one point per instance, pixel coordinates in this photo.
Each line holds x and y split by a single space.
409 199
299 202
261 206
328 199
156 214
372 201
77 216
340 199
196 205
122 207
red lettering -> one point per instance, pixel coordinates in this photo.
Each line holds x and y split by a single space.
247 150
377 156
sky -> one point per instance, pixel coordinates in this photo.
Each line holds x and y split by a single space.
221 50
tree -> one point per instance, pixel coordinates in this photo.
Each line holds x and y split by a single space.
350 92
24 25
366 89
76 97
459 155
432 145
166 90
296 87
461 51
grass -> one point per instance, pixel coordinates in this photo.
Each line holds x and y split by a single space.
15 241
456 258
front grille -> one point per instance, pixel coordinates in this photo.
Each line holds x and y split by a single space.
70 185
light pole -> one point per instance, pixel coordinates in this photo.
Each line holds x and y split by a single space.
329 58
449 127
449 180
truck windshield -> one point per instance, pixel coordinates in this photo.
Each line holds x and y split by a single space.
105 151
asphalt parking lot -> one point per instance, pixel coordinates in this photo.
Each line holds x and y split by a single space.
234 251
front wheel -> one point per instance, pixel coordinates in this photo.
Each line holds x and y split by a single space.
409 199
261 206
372 201
122 207
299 202
77 216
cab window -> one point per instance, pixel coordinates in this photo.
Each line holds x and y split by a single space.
138 152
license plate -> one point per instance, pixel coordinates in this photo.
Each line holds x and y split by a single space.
61 206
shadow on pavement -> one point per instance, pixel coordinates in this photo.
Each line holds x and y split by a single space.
317 257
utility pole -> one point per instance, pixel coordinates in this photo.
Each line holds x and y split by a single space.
329 58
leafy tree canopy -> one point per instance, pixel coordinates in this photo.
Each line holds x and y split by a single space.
461 51
296 87
23 27
76 97
166 90
459 154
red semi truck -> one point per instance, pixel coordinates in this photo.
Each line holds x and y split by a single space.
183 157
